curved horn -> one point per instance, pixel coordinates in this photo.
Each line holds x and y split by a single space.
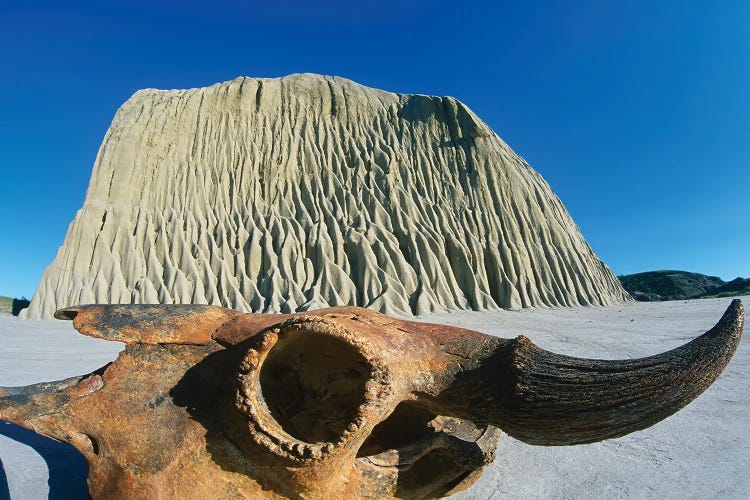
549 399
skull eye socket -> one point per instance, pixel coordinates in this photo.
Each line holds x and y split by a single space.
313 385
409 423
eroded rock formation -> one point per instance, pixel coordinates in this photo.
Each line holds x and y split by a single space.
290 194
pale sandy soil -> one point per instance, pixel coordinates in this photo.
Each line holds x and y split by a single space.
701 452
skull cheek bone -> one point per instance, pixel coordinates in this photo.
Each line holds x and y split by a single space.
335 403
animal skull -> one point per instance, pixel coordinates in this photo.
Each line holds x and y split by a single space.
206 402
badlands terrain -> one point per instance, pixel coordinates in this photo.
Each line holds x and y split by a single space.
294 193
702 452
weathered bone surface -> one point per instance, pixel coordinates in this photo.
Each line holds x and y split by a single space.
295 193
206 402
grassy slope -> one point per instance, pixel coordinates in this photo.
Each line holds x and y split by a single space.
6 305
677 285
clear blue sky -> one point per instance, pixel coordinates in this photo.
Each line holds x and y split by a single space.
636 112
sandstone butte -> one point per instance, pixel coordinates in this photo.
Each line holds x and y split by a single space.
295 193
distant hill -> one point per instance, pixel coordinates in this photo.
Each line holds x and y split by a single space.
9 305
678 285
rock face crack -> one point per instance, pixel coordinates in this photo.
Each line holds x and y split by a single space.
290 194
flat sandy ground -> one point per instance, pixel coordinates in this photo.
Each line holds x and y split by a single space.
702 452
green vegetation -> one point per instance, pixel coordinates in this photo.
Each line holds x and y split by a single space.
738 286
679 285
9 305
6 305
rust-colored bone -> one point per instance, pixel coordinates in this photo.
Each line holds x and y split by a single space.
206 402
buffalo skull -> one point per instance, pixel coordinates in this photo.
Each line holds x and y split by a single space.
207 402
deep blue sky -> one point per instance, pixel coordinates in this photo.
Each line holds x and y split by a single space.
636 112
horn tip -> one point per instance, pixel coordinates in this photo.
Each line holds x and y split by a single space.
67 313
733 318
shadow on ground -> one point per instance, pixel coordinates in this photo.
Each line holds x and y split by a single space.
67 468
4 490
